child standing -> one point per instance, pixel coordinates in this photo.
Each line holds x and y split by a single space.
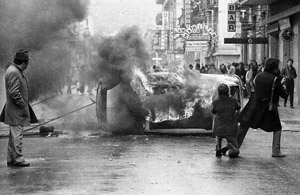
225 109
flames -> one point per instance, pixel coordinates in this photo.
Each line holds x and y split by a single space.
137 92
173 93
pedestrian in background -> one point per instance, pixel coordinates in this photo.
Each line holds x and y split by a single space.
231 71
69 84
289 73
225 109
17 112
202 69
213 69
261 111
223 69
82 79
197 65
255 69
240 71
249 81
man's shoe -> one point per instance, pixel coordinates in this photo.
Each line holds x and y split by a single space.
292 107
280 155
21 164
224 150
218 153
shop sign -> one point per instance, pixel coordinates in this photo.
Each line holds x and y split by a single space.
197 37
284 23
231 25
196 43
248 26
287 35
258 40
272 28
195 29
193 49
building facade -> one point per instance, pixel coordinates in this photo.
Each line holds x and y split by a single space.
194 30
279 21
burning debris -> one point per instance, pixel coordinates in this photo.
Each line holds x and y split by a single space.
121 58
132 93
182 96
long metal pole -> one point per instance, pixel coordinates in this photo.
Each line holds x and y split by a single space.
59 117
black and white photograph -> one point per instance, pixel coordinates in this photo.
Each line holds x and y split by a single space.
149 97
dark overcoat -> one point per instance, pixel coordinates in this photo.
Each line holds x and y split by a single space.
225 110
17 110
256 113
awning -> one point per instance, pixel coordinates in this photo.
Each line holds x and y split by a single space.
255 2
282 15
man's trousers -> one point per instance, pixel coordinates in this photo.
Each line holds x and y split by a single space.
14 149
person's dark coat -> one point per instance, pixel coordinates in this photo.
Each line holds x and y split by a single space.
256 113
17 110
289 74
241 73
225 110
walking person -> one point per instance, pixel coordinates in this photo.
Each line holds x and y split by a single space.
261 110
289 73
197 65
225 109
69 84
249 81
17 112
240 71
223 69
82 79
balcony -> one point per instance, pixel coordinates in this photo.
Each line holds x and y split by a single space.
168 5
211 4
160 2
255 2
158 19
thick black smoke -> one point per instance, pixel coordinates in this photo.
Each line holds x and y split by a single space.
42 27
118 57
119 54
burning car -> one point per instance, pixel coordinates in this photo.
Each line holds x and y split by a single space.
173 98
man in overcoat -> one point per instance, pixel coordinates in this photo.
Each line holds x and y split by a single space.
289 73
17 112
256 113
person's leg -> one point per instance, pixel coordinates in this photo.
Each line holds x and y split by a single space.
15 144
288 86
233 148
10 147
218 146
241 134
292 94
276 152
248 89
69 89
16 147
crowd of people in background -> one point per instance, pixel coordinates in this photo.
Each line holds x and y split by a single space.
247 73
81 82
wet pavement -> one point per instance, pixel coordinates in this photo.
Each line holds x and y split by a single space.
83 160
